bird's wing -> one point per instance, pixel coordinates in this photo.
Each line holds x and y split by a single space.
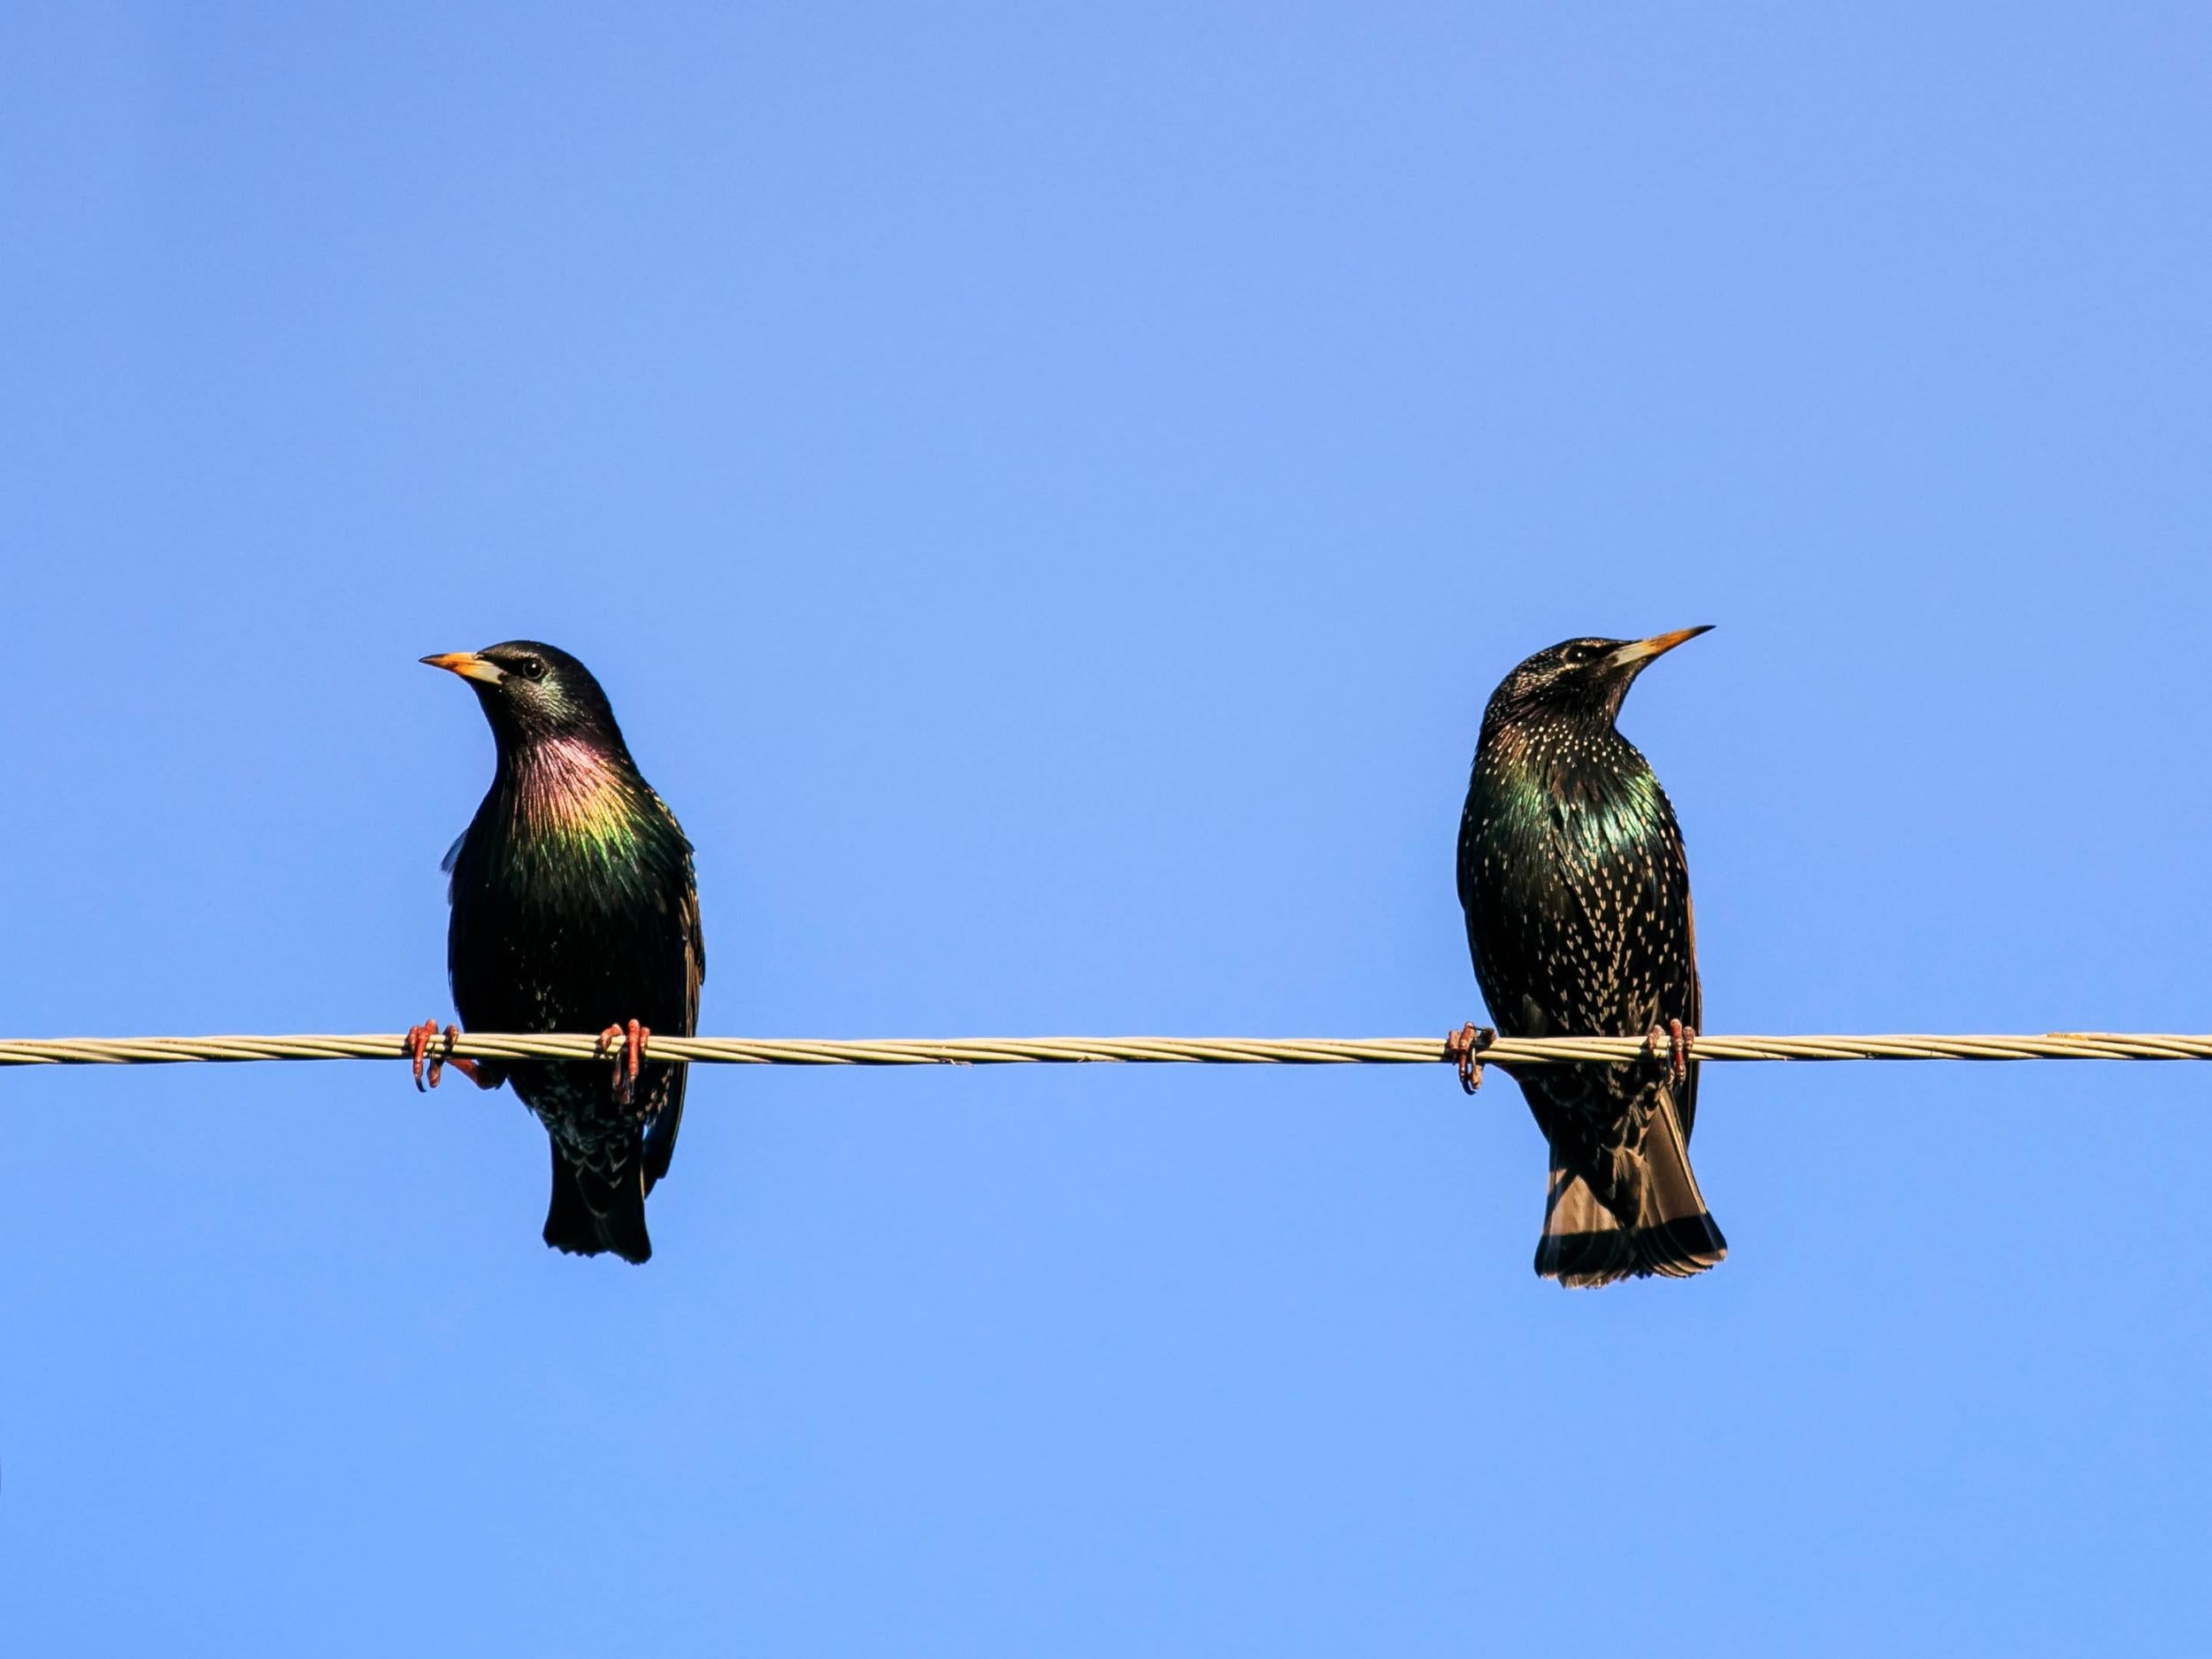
694 957
1467 853
660 1138
1685 1097
1679 995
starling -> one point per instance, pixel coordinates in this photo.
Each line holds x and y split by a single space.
573 910
1578 919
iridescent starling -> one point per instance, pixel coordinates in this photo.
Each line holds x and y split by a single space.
1577 902
574 911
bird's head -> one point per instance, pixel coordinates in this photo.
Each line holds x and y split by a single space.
532 692
1583 679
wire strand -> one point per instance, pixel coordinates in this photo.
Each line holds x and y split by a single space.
2060 1045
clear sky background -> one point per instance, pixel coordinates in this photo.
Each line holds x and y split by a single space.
1048 490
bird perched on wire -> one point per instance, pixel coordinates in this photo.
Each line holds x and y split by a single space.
574 909
1578 903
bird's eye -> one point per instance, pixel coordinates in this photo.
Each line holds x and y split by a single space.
533 668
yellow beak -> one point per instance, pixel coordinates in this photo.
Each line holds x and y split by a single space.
1658 645
468 665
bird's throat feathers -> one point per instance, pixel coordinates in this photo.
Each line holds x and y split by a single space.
574 796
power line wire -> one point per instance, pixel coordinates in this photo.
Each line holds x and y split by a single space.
2065 1045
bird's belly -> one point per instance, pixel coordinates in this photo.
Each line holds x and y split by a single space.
524 971
577 1104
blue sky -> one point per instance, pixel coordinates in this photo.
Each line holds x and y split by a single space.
1049 491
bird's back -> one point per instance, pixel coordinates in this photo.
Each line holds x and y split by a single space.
1575 888
1576 898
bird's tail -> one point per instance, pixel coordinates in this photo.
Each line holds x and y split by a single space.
590 1214
1671 1235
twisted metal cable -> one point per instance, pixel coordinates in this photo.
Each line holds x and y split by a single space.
2059 1045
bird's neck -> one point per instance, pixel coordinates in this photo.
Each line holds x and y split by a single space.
569 789
1567 761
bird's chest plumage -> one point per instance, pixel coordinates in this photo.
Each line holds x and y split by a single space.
557 927
571 906
1576 892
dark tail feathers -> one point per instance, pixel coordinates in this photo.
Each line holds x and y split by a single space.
591 1215
1585 1244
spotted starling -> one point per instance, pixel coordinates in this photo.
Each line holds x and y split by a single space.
1578 919
573 910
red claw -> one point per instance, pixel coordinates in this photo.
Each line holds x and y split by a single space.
626 1044
1680 1040
1465 1046
420 1041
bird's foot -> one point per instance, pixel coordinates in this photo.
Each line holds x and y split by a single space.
418 1040
1678 1039
1465 1046
421 1040
625 1045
